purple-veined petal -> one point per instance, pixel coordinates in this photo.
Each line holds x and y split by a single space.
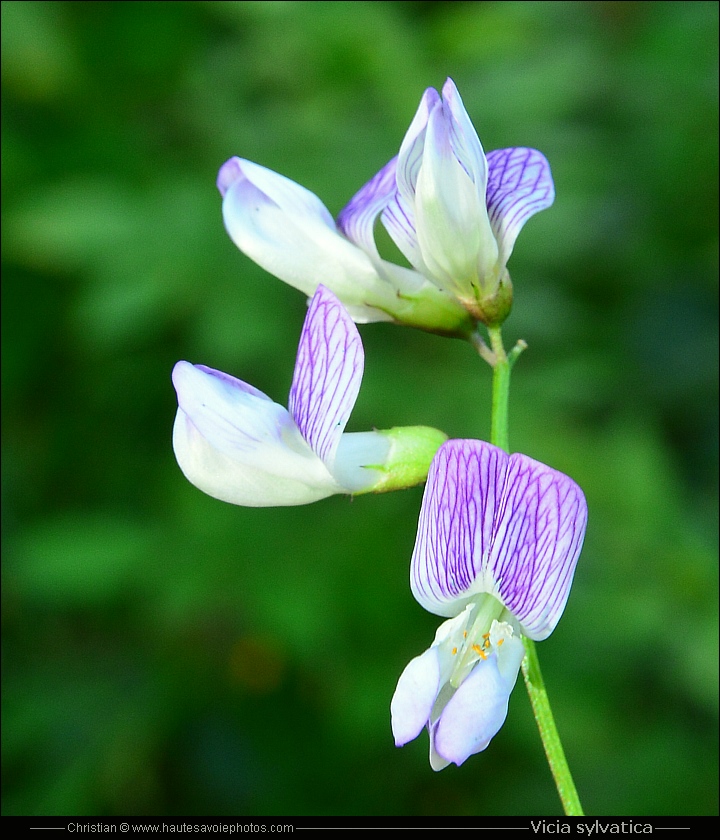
519 185
235 444
398 219
504 525
411 149
438 217
357 218
357 222
464 139
289 232
414 696
451 220
537 542
328 373
455 528
227 410
477 710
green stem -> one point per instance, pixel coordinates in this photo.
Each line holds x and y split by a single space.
502 363
500 391
548 731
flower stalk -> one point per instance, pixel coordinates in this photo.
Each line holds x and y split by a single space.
502 363
548 731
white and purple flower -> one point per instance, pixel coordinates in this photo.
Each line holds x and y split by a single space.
235 444
498 540
453 212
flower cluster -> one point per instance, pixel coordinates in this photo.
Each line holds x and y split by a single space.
499 535
453 212
234 443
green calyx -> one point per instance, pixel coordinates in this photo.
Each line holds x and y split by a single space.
412 449
493 308
434 311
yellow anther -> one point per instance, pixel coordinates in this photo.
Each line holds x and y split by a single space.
454 651
480 652
500 641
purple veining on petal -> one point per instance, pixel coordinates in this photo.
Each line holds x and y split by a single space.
357 218
399 221
506 525
465 141
328 372
411 149
539 533
456 522
249 187
519 185
226 411
233 382
439 138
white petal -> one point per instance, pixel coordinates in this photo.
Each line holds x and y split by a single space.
437 762
451 220
357 459
464 139
449 638
381 196
235 444
411 149
411 287
510 651
477 710
288 231
414 696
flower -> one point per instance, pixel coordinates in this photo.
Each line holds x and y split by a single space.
453 212
288 231
235 444
498 540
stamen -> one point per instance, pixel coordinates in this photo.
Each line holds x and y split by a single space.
454 651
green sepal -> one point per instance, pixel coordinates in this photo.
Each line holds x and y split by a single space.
412 449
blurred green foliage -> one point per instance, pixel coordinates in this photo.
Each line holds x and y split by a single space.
165 653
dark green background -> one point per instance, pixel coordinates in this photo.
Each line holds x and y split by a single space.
165 653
